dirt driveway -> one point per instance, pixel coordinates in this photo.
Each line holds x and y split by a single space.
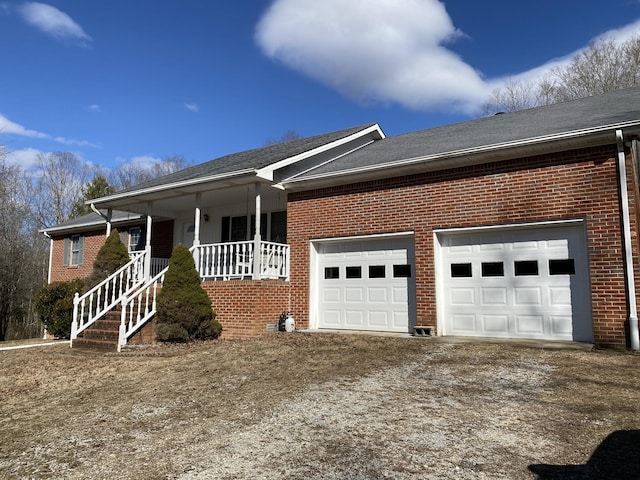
321 406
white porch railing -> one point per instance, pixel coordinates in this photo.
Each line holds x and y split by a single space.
92 305
223 261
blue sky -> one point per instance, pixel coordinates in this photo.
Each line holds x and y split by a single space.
125 80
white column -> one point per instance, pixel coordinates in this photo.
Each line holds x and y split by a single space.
196 233
147 248
257 256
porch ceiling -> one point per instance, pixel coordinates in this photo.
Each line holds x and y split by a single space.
170 202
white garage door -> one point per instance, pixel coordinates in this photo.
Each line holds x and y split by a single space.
366 285
517 283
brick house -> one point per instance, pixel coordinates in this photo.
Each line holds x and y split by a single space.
520 225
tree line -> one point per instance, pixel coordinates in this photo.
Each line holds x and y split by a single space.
31 200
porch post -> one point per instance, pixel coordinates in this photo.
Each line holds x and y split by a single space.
147 248
108 219
196 232
257 256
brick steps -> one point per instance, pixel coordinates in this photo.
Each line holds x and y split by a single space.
102 336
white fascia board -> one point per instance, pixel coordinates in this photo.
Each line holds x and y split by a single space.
469 152
94 224
172 186
267 172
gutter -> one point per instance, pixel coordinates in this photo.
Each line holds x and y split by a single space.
628 254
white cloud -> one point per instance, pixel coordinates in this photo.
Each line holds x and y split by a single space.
381 50
93 108
193 107
145 161
9 127
53 22
386 51
26 158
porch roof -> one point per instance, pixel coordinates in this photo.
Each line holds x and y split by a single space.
91 220
563 126
237 169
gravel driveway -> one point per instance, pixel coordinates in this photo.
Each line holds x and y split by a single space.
305 406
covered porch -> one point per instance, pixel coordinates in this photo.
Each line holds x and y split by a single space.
235 229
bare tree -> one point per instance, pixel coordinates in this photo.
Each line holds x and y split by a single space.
58 186
284 138
603 66
22 254
127 175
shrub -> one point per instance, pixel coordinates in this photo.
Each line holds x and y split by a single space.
54 306
183 307
111 256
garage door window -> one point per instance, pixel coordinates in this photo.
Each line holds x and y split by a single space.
492 269
354 272
562 267
525 268
402 271
461 270
331 273
377 271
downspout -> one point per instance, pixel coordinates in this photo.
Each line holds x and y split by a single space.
45 333
628 254
107 218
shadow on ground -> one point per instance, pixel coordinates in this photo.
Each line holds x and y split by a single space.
617 457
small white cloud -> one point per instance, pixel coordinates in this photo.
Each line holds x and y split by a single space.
12 128
26 158
93 108
193 107
145 161
53 22
76 143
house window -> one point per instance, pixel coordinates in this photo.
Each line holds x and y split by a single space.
135 239
461 270
273 227
73 250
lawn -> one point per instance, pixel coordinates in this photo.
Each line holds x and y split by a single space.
320 406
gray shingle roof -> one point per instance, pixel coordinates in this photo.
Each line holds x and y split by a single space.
249 160
609 109
85 222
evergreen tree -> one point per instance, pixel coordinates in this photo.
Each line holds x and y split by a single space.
110 258
183 307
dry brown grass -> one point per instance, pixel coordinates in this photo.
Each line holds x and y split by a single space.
312 406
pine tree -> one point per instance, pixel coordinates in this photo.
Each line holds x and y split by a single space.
183 307
110 258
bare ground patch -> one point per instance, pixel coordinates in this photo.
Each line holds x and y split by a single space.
313 406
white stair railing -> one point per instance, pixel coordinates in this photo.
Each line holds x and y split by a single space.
92 305
139 308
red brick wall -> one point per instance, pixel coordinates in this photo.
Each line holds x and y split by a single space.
93 241
244 307
575 184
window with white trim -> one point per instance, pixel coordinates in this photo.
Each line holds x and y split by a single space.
73 250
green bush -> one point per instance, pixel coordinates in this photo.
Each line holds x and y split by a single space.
111 256
54 306
183 307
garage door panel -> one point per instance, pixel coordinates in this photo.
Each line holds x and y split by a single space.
529 324
353 295
331 318
494 296
463 324
519 282
331 295
560 296
527 296
377 295
495 324
354 318
379 319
